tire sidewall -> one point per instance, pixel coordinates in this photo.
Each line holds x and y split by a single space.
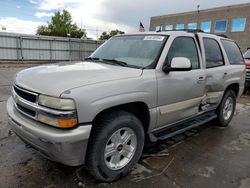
125 121
222 121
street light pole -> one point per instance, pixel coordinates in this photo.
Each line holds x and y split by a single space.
198 16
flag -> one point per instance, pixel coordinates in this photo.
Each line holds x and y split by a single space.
141 28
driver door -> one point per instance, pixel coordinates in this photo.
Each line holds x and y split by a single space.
180 92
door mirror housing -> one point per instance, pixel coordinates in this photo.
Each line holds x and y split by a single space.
178 64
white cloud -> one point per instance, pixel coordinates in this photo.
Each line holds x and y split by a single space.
99 15
33 2
57 4
18 6
16 25
43 14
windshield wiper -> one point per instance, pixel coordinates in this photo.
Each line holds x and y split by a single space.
113 62
121 63
93 59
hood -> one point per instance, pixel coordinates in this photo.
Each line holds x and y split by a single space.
56 78
247 62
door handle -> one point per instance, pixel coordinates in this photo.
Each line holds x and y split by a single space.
200 79
225 74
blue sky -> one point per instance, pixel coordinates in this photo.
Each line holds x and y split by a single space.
96 16
18 8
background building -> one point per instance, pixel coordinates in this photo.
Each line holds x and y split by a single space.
233 21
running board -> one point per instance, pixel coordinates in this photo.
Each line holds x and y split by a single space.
181 127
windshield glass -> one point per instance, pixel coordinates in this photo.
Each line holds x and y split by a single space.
247 54
140 51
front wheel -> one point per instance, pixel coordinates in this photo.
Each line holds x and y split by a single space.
115 146
226 109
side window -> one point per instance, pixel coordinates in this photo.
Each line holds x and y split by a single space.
233 52
213 53
184 47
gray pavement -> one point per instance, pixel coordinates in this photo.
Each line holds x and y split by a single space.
203 157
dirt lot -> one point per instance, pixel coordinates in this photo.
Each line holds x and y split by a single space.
203 157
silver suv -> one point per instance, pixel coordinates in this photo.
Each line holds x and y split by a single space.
137 87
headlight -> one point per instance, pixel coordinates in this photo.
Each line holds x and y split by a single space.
56 103
57 122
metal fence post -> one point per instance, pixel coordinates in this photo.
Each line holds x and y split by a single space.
69 50
17 49
21 49
50 50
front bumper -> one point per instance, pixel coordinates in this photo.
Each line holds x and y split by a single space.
64 146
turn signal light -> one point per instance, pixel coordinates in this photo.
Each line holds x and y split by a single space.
66 123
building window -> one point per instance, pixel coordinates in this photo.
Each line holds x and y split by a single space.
220 26
192 25
206 26
238 25
179 26
158 28
169 27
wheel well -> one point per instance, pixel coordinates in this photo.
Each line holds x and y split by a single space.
234 87
139 109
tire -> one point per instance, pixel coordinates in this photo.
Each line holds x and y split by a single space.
107 132
224 116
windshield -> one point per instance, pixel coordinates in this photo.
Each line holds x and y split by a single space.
140 51
247 54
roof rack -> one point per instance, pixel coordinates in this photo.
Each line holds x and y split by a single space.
187 30
222 35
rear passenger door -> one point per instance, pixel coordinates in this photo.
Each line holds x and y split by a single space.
180 92
216 71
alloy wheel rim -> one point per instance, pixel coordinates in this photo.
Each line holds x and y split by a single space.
228 108
120 148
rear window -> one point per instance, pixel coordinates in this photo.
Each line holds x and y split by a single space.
233 52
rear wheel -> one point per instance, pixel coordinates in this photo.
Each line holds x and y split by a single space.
115 146
226 109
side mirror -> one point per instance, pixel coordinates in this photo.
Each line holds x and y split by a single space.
178 64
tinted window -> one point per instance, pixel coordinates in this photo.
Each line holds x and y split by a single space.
213 53
206 26
238 24
184 47
220 26
233 52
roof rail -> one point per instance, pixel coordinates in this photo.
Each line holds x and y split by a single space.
187 30
222 35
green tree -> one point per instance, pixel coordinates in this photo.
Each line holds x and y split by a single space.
106 35
61 25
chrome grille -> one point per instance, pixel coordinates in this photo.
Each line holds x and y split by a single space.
247 73
25 94
22 98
